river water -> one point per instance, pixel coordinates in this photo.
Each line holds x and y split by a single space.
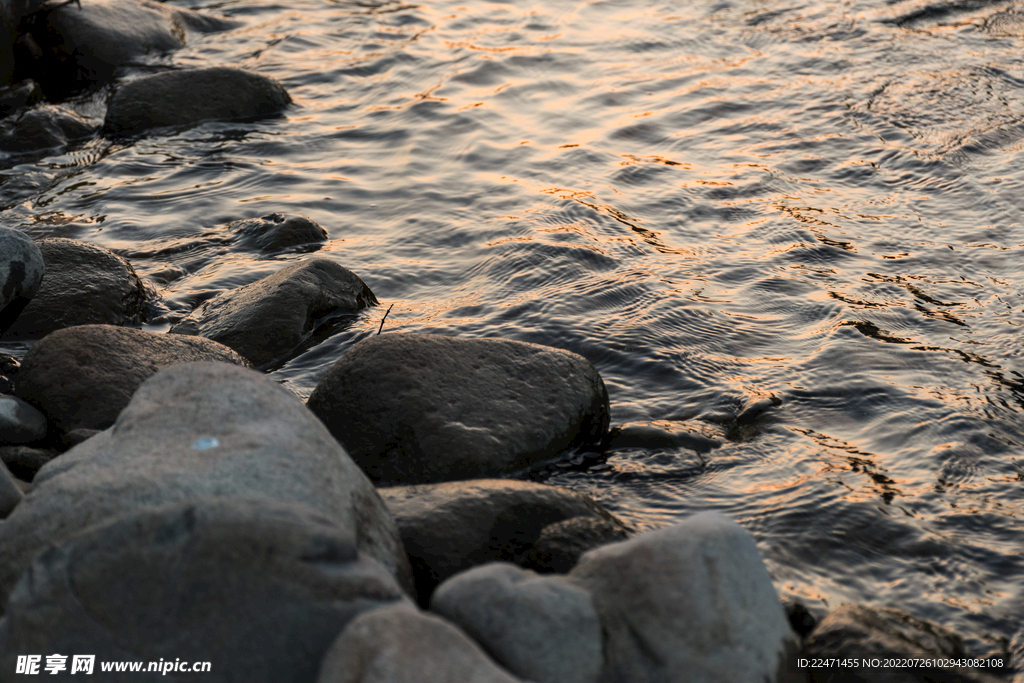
792 228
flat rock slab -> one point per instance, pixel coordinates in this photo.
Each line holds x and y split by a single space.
83 285
451 527
188 97
267 320
399 644
863 631
196 431
541 628
21 273
82 377
691 602
258 589
422 408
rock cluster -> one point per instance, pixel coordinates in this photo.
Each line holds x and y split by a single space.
162 500
51 51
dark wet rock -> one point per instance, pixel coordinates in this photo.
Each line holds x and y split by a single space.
191 96
421 408
259 588
399 644
863 631
83 284
68 46
19 96
21 273
43 128
560 545
694 597
25 461
74 437
10 492
451 527
541 628
800 618
269 319
653 436
20 423
277 232
82 377
192 432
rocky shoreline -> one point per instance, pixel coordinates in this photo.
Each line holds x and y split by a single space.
162 498
370 534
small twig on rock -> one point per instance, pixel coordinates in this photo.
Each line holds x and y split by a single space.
384 318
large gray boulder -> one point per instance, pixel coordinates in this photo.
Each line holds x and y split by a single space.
191 96
690 603
861 631
21 273
259 589
399 644
448 528
541 628
82 377
75 45
422 408
268 319
196 431
83 284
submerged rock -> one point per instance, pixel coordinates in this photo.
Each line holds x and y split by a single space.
19 96
44 128
542 628
83 376
267 320
691 602
451 527
258 588
192 432
422 408
21 273
277 232
399 644
83 284
190 96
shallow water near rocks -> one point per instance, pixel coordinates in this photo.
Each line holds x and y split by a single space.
792 230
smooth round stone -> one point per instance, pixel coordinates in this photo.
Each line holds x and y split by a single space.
19 422
190 96
21 273
424 408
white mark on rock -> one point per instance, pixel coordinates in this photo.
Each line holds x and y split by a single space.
206 444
